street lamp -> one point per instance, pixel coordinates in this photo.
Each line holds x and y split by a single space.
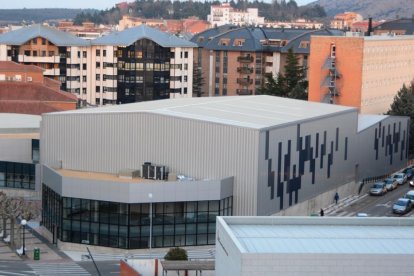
150 214
23 223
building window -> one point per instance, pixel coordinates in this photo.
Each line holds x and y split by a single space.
43 41
84 78
98 77
185 66
185 90
20 175
98 53
34 53
34 41
185 54
84 90
104 53
185 78
98 89
98 101
51 53
35 151
79 53
84 66
98 64
84 54
27 53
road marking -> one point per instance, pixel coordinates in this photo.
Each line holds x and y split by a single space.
11 273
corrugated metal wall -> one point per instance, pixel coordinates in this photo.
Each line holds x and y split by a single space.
110 142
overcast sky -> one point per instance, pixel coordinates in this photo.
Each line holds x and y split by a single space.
96 4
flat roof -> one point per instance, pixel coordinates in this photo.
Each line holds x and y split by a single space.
257 112
19 123
324 235
366 121
98 176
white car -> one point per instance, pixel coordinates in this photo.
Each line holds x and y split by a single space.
400 177
410 195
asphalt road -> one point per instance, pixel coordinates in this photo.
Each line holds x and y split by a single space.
377 206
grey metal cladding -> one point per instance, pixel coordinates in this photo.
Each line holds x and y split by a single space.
114 141
16 150
304 160
383 147
59 38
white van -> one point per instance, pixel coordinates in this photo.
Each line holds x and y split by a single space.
410 196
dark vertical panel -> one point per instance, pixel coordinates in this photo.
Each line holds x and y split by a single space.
337 139
280 189
317 146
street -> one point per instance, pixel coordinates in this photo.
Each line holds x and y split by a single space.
376 206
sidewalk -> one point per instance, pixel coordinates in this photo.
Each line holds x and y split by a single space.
342 203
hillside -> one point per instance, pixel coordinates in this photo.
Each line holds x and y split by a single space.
10 16
378 9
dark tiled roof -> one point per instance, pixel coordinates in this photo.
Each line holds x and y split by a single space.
406 24
55 36
129 36
204 37
253 36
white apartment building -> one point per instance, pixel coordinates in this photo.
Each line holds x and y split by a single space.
137 64
225 14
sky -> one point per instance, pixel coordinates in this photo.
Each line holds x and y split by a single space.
84 4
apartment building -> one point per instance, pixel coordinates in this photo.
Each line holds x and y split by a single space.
235 60
363 72
225 14
344 21
137 64
401 26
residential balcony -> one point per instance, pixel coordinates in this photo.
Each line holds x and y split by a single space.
245 59
268 69
244 92
242 81
39 59
52 72
245 70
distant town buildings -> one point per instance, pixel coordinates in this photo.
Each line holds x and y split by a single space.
88 30
364 72
225 14
137 64
402 26
344 21
24 89
235 60
190 25
297 24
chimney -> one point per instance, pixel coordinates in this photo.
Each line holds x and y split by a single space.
369 32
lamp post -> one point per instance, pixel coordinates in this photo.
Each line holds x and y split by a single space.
150 233
23 223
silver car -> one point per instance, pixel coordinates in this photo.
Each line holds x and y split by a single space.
378 189
402 206
400 177
391 184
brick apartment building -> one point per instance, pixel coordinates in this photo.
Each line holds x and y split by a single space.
234 61
363 72
23 89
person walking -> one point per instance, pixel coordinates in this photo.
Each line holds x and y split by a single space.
321 213
336 197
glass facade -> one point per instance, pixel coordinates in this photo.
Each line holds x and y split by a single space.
123 225
143 72
17 175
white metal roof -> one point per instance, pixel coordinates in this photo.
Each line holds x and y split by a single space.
366 121
321 235
18 123
255 112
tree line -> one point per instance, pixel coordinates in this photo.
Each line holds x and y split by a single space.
277 10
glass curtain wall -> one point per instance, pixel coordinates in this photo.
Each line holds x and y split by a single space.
143 72
122 225
17 175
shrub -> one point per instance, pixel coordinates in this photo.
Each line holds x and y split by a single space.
176 254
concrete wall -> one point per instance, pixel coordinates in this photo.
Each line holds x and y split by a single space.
199 149
228 255
16 150
322 264
301 161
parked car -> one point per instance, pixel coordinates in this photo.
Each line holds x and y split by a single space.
410 195
391 184
378 189
412 183
400 177
402 206
408 172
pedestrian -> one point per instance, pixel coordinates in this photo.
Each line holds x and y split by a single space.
321 213
336 198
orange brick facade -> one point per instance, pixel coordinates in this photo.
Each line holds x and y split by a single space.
371 70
